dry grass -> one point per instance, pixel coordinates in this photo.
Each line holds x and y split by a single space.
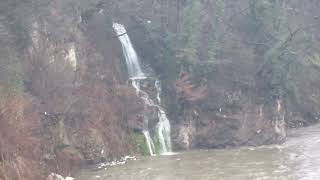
187 91
18 143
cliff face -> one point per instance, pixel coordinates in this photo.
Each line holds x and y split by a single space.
232 113
63 80
235 73
68 66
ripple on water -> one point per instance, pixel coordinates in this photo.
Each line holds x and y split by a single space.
298 159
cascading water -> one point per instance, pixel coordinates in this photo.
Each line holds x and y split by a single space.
149 141
130 54
157 84
164 131
137 76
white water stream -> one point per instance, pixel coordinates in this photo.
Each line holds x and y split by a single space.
137 76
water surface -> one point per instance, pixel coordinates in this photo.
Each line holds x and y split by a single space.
298 158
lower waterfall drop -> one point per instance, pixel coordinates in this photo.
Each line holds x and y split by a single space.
149 142
137 76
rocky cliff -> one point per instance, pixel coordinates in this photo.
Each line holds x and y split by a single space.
65 99
65 61
235 73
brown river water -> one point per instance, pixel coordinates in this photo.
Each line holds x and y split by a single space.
297 159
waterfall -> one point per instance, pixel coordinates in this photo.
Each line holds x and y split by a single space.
137 76
164 131
149 141
157 84
130 54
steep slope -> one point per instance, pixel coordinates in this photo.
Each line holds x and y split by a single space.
233 73
65 83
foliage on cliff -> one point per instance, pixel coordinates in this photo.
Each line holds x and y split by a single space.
268 41
209 54
63 101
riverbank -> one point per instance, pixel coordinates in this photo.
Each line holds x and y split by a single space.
295 159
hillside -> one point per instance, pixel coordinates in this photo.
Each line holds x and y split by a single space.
233 73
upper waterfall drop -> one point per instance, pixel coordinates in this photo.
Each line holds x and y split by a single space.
157 84
130 54
137 76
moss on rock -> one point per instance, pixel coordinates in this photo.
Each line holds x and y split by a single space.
140 143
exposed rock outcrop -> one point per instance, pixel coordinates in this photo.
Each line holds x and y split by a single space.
72 105
234 120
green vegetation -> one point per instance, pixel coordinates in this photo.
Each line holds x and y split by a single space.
139 141
215 30
189 35
271 37
276 43
156 141
208 54
11 73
